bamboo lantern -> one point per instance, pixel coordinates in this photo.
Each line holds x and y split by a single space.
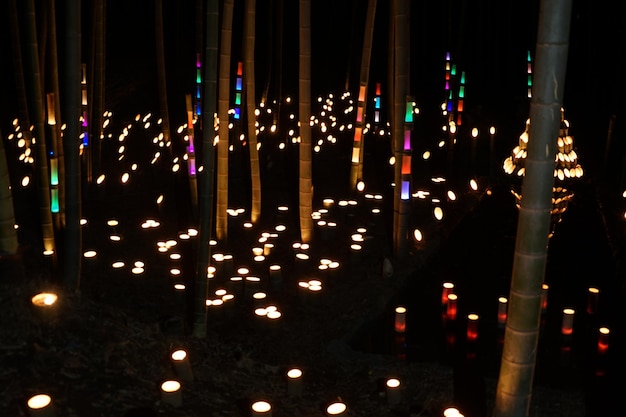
400 319
171 393
294 382
394 394
261 409
40 405
337 409
182 365
603 340
567 326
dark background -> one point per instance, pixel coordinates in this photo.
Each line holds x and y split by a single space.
488 39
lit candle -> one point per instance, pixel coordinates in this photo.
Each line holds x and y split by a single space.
261 409
472 327
40 405
447 290
394 394
502 311
451 309
171 393
567 326
544 300
45 305
336 409
400 319
294 382
592 300
182 365
603 340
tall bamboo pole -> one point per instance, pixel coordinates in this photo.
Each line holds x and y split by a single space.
71 142
401 65
249 81
304 112
97 99
18 70
356 170
221 216
41 157
517 368
206 176
56 145
8 234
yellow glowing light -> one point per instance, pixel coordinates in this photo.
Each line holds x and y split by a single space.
170 386
44 299
39 401
417 234
336 409
261 407
179 355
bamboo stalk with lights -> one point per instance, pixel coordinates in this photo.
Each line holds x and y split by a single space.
8 234
41 157
221 215
401 75
249 90
72 234
304 112
53 101
515 380
191 157
206 176
18 71
98 91
161 73
356 171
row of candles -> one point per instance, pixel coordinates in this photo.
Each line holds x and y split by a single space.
449 303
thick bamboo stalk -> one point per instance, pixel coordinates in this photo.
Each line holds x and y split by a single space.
8 234
206 176
514 388
401 64
71 142
221 215
41 157
304 112
249 81
356 169
56 144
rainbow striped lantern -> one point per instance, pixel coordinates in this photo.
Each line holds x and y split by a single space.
529 71
54 183
405 191
447 108
377 104
238 88
191 150
357 145
459 105
198 97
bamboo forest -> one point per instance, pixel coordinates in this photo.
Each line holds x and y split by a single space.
304 208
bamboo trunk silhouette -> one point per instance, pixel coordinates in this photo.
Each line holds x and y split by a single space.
97 99
35 94
18 70
54 121
356 170
71 141
249 81
206 176
401 75
517 368
304 112
8 234
221 215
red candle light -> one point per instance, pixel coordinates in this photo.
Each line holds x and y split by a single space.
472 327
502 310
603 340
544 301
592 300
567 326
447 289
451 309
400 321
